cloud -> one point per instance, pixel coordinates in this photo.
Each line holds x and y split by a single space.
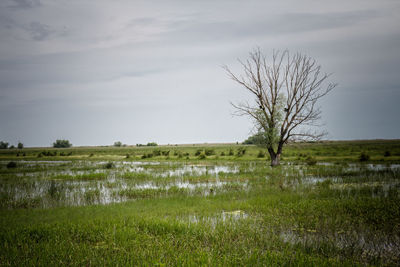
24 4
39 31
159 63
230 28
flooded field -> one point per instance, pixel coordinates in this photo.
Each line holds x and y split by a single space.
47 184
328 209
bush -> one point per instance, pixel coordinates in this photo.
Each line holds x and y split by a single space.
387 154
117 144
109 165
165 153
152 144
311 161
198 152
61 143
364 156
202 155
3 145
222 153
260 154
11 164
47 154
147 156
241 151
209 152
156 152
252 140
230 152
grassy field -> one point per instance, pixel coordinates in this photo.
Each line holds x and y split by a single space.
328 204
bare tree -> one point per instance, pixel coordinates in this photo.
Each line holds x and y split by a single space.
285 92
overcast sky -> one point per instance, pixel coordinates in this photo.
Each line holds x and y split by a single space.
95 72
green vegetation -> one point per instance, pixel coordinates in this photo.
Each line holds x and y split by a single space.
61 144
3 145
202 205
20 145
117 144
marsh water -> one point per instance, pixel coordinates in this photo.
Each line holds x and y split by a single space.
48 184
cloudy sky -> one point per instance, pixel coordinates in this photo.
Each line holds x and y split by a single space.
95 72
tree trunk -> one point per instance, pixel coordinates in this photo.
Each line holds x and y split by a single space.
275 159
276 156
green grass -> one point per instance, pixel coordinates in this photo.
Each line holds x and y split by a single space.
345 213
327 151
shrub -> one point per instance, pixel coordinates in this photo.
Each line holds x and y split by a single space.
61 143
109 165
156 152
222 153
3 145
117 144
364 156
147 156
152 144
11 164
47 154
260 154
198 152
127 156
387 154
311 161
165 153
241 151
209 152
202 155
252 140
230 152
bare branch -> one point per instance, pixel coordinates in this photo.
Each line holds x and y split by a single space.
286 92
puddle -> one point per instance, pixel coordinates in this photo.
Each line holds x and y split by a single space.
181 171
372 167
368 245
75 183
223 217
312 180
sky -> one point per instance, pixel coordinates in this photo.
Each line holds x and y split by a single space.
96 72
